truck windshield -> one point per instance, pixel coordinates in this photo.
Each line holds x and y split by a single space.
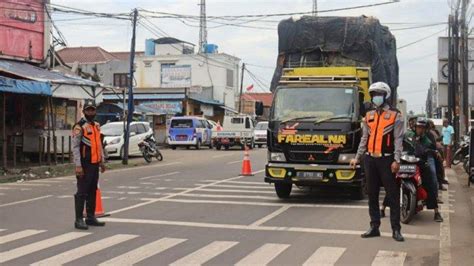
318 103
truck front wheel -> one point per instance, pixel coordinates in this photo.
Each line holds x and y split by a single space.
283 190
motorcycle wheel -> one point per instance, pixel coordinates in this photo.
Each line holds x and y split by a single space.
147 156
465 165
457 158
408 206
159 156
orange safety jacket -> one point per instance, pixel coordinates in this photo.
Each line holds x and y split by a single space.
91 144
381 129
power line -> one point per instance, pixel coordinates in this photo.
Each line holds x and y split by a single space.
422 39
419 27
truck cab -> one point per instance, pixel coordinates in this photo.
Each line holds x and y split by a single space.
315 128
238 131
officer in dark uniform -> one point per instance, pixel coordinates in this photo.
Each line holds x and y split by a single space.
382 141
89 159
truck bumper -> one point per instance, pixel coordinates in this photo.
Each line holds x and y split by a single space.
314 174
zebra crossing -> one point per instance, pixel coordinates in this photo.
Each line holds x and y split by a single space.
264 254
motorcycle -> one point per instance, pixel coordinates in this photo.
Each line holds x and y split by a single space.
463 151
412 193
149 149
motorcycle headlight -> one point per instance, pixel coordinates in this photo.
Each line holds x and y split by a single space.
115 141
346 157
276 157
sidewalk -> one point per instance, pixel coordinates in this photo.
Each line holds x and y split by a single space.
458 232
47 171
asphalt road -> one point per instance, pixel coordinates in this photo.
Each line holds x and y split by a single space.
194 208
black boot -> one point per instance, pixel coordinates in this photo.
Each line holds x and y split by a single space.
397 236
90 210
372 232
438 218
79 206
382 213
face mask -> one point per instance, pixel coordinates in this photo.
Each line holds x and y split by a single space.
378 100
89 118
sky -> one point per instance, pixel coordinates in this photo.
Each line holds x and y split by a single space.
259 46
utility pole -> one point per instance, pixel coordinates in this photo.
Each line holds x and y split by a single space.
241 87
202 27
130 90
464 125
315 8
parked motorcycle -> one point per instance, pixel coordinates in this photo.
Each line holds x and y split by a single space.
463 151
412 193
149 149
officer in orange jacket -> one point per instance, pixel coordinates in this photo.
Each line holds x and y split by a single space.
88 158
382 142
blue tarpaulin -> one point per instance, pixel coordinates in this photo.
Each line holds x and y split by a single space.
25 86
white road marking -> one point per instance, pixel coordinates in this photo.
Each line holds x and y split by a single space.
263 255
64 178
5 188
25 184
134 192
44 181
325 256
128 187
41 245
19 235
175 194
24 201
65 196
105 197
386 258
1 230
140 167
143 252
238 186
209 189
156 176
227 196
247 183
223 155
271 216
445 227
206 253
261 228
234 162
85 250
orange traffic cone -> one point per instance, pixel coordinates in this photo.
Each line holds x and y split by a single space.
99 210
246 165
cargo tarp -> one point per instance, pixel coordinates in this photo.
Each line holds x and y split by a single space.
337 41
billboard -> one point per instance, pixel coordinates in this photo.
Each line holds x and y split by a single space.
443 71
173 76
165 107
22 30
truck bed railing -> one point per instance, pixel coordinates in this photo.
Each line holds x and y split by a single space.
289 79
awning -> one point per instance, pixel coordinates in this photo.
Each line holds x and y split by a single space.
62 85
206 101
24 86
146 96
31 72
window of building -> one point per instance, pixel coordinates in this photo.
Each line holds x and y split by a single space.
230 78
121 80
167 64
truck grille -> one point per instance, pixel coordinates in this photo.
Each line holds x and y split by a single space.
311 157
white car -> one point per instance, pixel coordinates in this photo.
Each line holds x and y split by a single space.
114 137
260 133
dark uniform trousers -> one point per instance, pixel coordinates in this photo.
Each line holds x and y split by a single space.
87 186
378 172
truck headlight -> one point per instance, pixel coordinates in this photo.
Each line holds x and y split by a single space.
346 157
276 157
115 141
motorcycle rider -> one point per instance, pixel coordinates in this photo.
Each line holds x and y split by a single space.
423 147
382 139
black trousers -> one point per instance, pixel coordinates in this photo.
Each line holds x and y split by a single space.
87 186
378 172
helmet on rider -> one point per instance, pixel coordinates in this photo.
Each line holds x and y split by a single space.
421 126
379 92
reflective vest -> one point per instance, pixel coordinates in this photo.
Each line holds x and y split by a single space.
381 127
91 144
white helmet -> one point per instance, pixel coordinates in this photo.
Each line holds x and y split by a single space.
381 87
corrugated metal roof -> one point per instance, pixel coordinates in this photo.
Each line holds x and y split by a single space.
31 72
206 101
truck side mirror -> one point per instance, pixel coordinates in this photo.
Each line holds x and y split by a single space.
259 108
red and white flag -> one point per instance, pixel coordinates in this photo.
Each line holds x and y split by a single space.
249 88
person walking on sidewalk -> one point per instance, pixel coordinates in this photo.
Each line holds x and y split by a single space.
88 158
382 139
448 136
